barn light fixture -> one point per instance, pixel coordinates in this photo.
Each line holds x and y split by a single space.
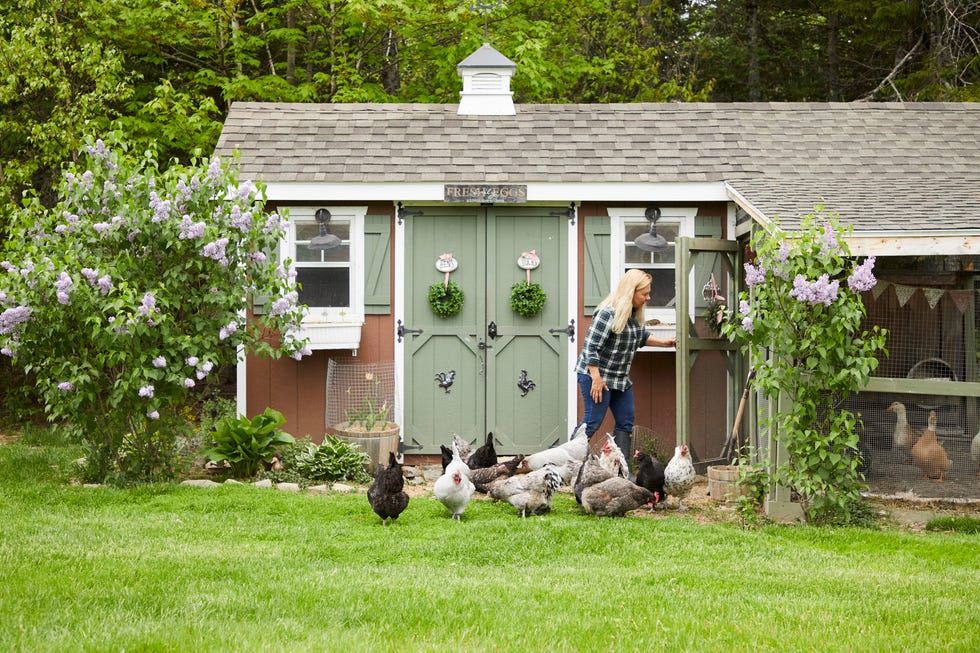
324 240
652 241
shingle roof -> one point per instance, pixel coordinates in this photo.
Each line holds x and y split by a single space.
882 166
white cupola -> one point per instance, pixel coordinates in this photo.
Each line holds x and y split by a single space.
486 84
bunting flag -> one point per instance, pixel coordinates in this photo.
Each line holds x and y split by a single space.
879 288
904 294
933 295
962 299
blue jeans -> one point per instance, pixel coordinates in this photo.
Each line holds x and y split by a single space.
620 402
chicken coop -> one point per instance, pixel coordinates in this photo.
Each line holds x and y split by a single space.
929 307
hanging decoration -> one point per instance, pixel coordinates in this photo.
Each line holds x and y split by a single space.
527 298
446 297
714 314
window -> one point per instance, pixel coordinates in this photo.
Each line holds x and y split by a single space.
627 224
331 281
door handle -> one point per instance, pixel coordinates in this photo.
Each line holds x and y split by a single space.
492 330
483 345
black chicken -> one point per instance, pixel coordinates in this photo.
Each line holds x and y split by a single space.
650 474
485 456
387 493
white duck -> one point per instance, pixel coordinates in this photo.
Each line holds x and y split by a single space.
904 436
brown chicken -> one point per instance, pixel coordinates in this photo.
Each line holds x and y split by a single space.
615 497
484 476
928 454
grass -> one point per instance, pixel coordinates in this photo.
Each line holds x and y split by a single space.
170 568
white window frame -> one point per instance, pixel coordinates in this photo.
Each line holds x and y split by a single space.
334 327
683 217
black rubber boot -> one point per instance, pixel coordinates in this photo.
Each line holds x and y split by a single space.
623 440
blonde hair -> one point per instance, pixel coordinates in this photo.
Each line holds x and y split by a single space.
621 298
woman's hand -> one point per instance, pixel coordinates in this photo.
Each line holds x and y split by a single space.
598 385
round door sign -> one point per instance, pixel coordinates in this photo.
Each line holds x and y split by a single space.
528 260
446 263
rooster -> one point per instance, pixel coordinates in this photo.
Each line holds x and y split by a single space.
530 493
484 476
590 473
387 495
566 458
615 497
650 474
928 454
679 475
485 456
454 488
903 437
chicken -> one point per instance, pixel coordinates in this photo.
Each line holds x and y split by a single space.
465 451
485 456
928 454
903 437
975 451
590 473
679 475
484 476
615 497
454 488
387 494
612 458
530 493
650 474
566 458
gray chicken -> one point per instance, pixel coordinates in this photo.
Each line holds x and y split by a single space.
590 473
530 493
615 497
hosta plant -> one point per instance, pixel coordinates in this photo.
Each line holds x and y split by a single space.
248 443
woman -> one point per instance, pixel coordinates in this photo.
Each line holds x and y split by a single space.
610 343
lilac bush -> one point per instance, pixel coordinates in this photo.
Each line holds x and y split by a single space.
801 327
134 288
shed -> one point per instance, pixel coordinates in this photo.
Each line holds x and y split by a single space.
407 184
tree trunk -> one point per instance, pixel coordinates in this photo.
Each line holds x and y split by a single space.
752 21
833 57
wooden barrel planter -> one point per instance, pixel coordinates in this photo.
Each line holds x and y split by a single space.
723 483
377 443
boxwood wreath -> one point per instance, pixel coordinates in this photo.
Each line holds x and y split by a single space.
527 299
445 300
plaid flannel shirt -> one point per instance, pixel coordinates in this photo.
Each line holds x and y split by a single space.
611 352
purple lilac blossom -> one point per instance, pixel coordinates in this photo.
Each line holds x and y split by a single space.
148 304
191 361
189 229
11 318
282 305
754 276
105 284
161 207
245 189
239 220
7 351
822 291
189 383
8 266
863 277
90 274
216 250
829 240
214 170
146 391
747 324
153 414
743 307
227 330
66 386
159 362
62 288
101 227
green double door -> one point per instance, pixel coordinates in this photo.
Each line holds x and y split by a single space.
486 369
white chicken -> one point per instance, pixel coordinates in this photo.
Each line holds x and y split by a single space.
679 475
903 437
566 458
530 493
612 457
975 451
454 489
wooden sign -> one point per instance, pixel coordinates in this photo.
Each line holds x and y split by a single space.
486 193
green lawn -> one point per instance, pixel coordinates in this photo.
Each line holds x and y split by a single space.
168 568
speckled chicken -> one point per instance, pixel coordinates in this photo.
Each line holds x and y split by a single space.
530 493
454 489
928 454
615 497
484 476
679 475
387 494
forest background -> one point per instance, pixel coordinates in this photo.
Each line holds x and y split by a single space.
163 73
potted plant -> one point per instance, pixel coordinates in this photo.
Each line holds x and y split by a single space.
367 426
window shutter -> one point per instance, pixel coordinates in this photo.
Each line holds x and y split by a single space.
597 261
377 264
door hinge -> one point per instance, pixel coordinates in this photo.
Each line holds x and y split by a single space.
400 331
569 330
